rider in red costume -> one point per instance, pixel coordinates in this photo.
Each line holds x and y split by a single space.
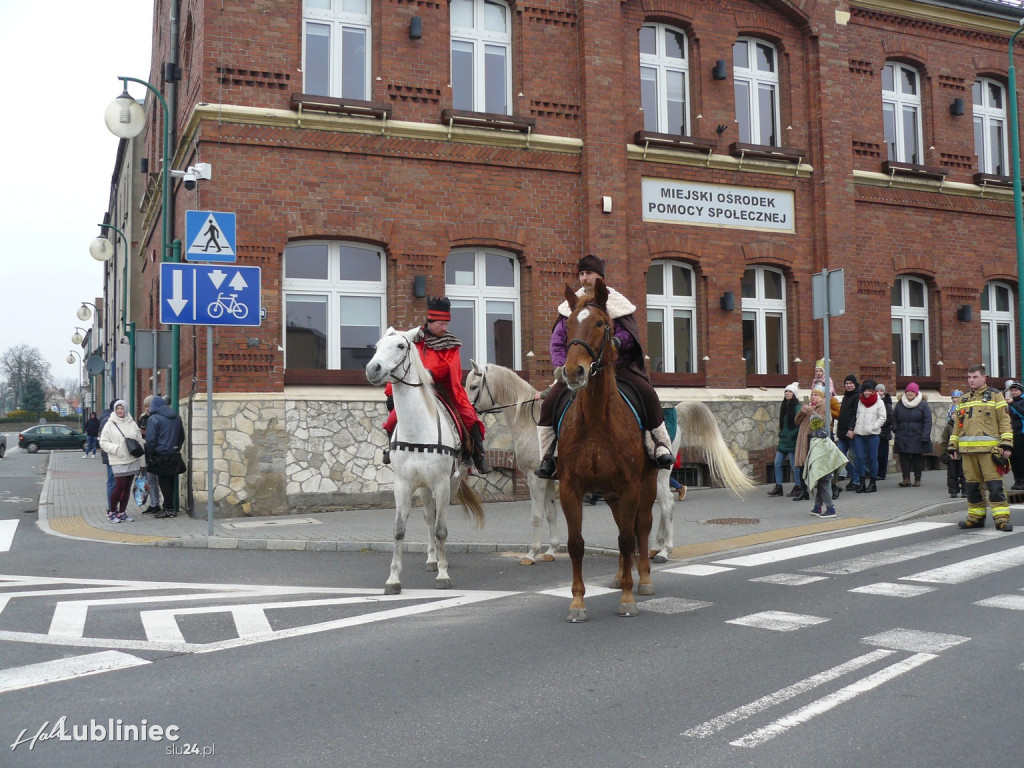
439 351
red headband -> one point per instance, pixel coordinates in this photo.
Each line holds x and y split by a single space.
438 314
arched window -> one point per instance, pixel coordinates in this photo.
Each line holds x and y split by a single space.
997 323
334 304
664 79
336 48
909 309
481 56
901 112
671 318
764 320
990 128
756 88
483 285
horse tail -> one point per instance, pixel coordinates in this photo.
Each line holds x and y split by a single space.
470 501
701 431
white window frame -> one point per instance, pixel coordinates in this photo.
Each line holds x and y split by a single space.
989 118
668 304
338 20
480 39
903 315
473 292
992 320
900 102
759 309
334 290
663 67
756 79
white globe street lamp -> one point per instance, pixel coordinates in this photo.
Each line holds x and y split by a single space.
124 116
101 249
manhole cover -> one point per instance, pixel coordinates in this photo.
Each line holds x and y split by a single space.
733 521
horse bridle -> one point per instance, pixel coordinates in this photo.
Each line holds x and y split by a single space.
408 367
485 387
597 357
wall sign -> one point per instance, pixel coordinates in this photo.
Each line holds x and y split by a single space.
717 205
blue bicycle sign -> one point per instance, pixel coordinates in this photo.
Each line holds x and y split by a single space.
209 294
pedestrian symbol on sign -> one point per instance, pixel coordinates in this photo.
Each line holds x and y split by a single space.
210 236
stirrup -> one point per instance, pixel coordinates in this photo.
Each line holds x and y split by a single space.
665 461
547 469
481 465
387 457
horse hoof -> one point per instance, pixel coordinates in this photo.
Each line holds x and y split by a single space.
577 616
645 589
443 583
547 558
656 558
628 609
526 561
392 589
432 567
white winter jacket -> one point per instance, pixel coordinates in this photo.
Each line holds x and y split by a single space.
870 418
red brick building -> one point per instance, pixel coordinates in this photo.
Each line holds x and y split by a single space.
716 154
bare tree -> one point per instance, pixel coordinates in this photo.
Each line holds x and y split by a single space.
20 364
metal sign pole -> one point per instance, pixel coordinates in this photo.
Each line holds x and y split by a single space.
209 430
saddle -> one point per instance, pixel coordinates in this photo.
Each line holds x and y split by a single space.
465 449
626 390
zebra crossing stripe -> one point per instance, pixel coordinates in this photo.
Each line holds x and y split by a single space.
900 554
965 570
55 671
7 529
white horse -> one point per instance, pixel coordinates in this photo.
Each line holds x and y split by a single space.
493 387
425 453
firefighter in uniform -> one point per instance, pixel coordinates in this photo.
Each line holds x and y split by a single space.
983 438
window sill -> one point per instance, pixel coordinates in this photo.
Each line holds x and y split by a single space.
764 152
306 102
487 120
769 380
324 377
673 141
934 172
924 382
992 180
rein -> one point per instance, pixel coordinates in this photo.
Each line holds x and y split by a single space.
597 357
408 367
485 387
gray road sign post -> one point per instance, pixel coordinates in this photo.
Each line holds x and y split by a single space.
828 299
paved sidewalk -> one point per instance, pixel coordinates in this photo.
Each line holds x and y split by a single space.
708 520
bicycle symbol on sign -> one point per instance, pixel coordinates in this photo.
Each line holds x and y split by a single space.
229 305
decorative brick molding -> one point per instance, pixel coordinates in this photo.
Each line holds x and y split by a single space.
764 252
685 246
913 263
493 233
328 223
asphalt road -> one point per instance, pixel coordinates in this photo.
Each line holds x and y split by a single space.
846 650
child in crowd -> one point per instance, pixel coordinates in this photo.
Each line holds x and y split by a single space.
823 458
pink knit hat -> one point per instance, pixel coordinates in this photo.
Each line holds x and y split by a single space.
912 387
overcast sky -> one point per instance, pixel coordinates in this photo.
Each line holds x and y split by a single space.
60 61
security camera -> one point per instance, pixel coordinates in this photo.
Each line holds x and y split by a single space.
189 180
193 174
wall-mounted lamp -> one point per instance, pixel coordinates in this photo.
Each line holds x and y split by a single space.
956 109
606 204
415 27
419 286
720 72
728 301
964 313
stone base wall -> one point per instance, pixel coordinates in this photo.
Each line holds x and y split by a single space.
276 455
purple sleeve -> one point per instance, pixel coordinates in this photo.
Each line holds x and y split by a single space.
625 339
558 341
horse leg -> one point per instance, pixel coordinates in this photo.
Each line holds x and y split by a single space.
439 533
643 523
551 511
666 507
625 516
403 505
541 505
430 518
573 511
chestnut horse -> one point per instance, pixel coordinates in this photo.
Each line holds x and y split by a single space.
601 447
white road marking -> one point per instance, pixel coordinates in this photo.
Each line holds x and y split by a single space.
914 640
567 592
900 554
778 621
1011 602
887 589
7 529
697 570
965 570
766 702
672 605
789 579
815 708
55 671
828 545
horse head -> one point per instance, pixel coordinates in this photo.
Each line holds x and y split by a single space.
477 388
589 332
395 360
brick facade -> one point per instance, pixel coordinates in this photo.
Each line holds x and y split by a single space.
418 188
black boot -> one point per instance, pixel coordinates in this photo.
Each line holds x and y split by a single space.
547 468
776 491
804 494
862 487
479 459
871 487
387 456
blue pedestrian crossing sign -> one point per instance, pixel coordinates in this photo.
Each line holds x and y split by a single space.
210 236
209 294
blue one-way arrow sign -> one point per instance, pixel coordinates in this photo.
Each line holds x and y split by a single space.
209 294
